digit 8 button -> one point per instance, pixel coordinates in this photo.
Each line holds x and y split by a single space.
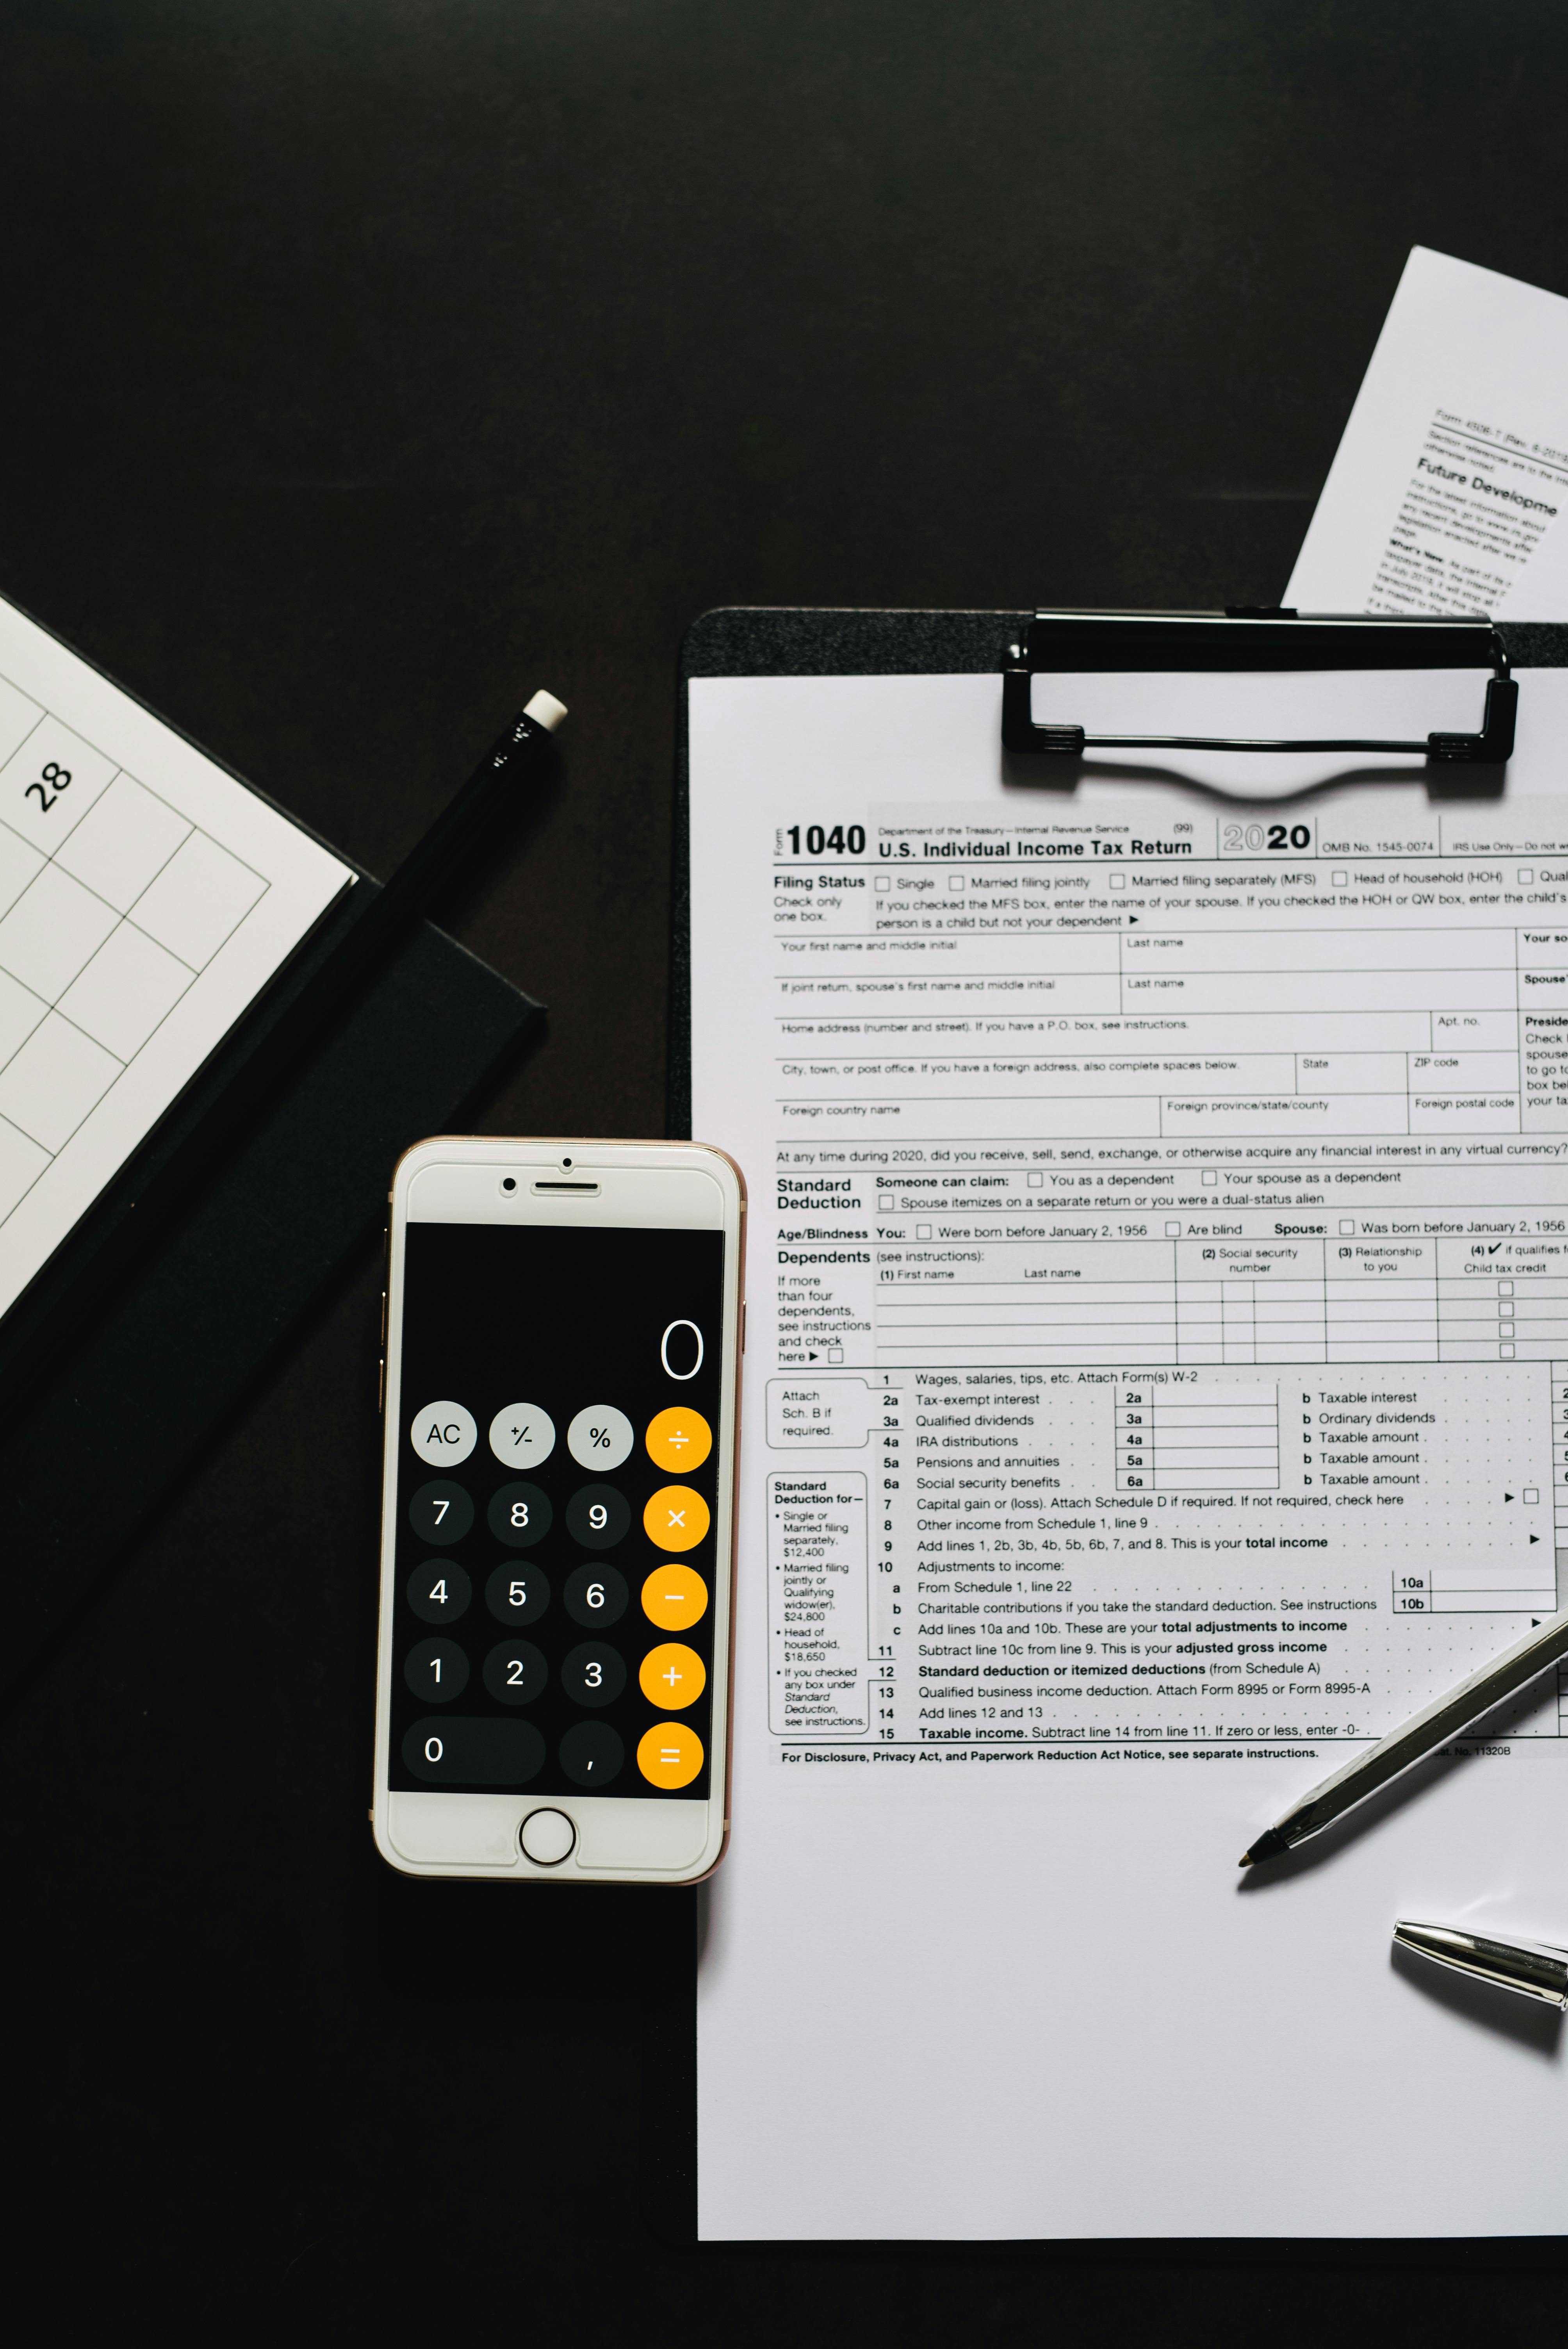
675 1518
674 1597
679 1439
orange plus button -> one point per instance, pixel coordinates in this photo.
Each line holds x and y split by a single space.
679 1439
669 1755
673 1676
675 1518
674 1597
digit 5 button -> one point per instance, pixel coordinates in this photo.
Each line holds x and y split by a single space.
673 1676
675 1518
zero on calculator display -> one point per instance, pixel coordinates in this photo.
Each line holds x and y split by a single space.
557 1547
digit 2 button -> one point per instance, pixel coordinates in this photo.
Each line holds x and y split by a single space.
515 1673
440 1512
520 1516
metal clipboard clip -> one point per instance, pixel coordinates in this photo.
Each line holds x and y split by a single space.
1244 639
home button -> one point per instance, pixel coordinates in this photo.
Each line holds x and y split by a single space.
547 1837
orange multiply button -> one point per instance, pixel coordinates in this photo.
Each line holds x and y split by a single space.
675 1518
669 1755
674 1597
679 1439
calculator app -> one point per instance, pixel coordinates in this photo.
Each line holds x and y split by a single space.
557 1478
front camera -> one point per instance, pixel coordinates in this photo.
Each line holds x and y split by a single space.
566 1162
509 1181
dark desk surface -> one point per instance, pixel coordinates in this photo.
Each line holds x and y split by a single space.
364 365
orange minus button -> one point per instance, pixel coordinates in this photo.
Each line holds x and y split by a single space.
674 1597
669 1755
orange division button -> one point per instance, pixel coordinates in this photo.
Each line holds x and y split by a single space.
675 1518
672 1675
679 1439
669 1755
674 1597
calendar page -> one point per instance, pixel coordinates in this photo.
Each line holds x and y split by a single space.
146 897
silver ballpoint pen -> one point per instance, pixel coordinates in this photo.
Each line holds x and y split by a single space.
1444 1717
1532 1968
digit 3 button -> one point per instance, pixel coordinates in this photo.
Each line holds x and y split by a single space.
675 1518
520 1516
674 1597
443 1434
673 1676
592 1674
679 1439
669 1755
437 1671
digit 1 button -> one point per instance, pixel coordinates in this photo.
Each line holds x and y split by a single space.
439 1591
439 1512
679 1439
669 1755
675 1518
520 1516
674 1597
522 1435
599 1437
437 1671
673 1676
443 1433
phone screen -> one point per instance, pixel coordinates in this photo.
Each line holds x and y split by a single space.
556 1545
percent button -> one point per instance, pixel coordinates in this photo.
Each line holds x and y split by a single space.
600 1437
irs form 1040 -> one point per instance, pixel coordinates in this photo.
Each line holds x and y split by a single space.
1160 1322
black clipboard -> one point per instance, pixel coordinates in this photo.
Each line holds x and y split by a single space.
137 1342
757 641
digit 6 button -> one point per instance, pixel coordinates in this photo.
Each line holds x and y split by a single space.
592 1674
675 1518
673 1676
520 1516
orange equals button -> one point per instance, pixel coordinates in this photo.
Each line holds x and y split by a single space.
669 1755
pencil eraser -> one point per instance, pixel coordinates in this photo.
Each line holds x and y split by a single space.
545 710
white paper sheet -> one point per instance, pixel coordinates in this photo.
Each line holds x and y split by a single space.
1157 1386
1448 490
146 897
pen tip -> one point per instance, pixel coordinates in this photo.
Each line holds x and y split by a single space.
1269 1845
1245 1861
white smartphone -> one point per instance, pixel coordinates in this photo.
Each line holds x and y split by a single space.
562 1401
